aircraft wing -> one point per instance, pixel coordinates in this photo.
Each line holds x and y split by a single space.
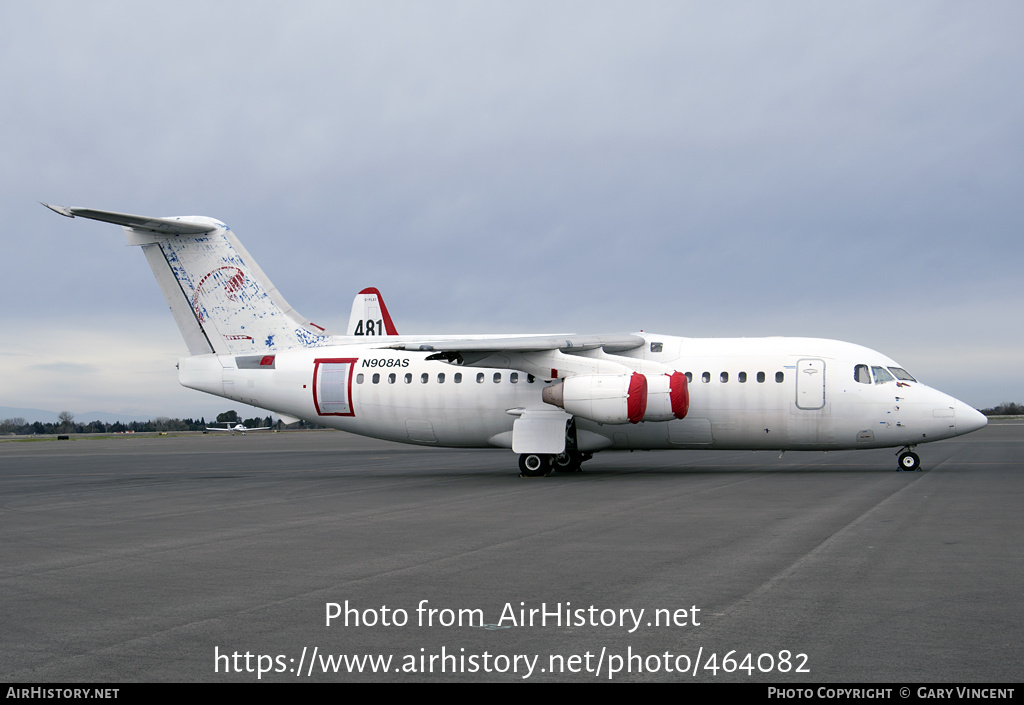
545 356
525 343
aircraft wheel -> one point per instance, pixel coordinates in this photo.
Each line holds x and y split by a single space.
534 464
909 462
568 462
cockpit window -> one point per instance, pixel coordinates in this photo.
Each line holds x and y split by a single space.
902 374
881 376
861 374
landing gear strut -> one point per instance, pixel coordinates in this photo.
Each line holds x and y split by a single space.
909 461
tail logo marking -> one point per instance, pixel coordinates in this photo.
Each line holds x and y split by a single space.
232 287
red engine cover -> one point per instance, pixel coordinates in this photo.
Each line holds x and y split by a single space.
636 406
679 394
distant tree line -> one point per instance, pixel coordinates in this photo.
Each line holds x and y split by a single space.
20 427
66 424
1007 408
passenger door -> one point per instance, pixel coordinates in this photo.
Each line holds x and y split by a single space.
810 384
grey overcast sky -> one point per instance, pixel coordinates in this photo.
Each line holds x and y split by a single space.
840 170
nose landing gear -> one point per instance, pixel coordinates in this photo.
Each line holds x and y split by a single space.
908 460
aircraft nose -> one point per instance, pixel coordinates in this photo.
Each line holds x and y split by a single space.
968 418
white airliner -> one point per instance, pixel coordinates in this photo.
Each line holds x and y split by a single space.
237 428
553 399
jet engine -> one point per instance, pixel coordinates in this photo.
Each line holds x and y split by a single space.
612 399
625 398
668 397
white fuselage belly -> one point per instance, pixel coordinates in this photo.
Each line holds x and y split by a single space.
817 405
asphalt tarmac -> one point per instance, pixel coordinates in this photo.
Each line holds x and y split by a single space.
218 558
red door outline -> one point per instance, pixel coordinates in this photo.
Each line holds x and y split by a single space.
351 361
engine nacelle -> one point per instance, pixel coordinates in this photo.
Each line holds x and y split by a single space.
611 399
617 399
668 397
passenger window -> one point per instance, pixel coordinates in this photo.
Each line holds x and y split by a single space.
881 376
391 378
741 377
724 377
376 378
497 377
480 377
655 347
359 378
861 374
408 378
424 377
440 377
513 378
689 378
779 377
706 377
458 378
530 379
760 377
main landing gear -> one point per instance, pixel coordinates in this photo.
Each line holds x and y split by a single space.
570 461
540 464
534 464
908 460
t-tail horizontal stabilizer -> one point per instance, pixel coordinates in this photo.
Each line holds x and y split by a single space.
164 226
221 300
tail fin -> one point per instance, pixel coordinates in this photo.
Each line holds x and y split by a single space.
221 299
369 315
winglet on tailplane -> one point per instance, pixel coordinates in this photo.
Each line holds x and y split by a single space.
221 300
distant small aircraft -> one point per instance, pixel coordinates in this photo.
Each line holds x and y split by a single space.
554 400
237 428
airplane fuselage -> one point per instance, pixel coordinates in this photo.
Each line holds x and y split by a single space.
554 400
744 393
